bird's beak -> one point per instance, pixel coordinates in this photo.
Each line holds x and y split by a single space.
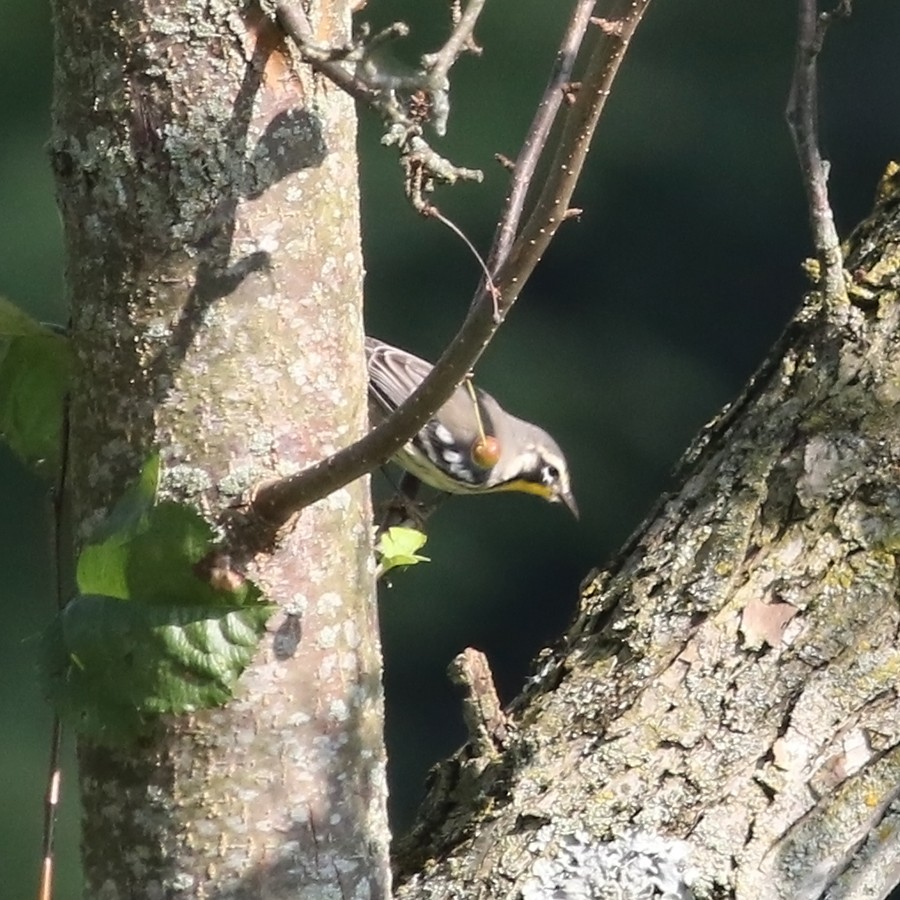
568 498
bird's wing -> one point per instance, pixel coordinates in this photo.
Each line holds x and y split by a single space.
394 374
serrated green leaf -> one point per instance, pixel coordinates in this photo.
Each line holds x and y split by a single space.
110 665
127 516
35 371
161 559
149 633
398 546
15 322
162 562
103 562
150 553
154 561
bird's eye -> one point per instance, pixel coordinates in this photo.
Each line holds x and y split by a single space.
551 473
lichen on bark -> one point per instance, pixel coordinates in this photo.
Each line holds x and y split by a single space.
207 185
729 683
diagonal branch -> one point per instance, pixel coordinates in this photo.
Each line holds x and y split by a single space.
803 121
616 31
294 22
277 501
536 139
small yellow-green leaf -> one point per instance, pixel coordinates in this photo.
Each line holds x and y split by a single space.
399 546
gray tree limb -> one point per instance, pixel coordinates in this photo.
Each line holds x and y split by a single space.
209 200
722 719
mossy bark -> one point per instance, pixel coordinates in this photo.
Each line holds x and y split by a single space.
208 190
724 710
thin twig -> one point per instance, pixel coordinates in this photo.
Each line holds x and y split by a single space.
471 45
294 22
51 808
277 501
427 91
489 281
58 548
621 20
802 117
440 63
378 89
536 138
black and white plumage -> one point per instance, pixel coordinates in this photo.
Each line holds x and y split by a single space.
446 453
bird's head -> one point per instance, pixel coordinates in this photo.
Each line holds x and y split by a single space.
532 462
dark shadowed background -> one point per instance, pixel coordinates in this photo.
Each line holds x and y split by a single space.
644 319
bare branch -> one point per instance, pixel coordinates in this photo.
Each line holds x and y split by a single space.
51 808
621 20
294 22
802 117
486 723
423 166
277 501
60 539
379 90
439 64
471 45
536 139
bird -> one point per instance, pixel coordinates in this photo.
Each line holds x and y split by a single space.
471 445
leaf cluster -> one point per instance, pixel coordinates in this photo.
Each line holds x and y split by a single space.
145 633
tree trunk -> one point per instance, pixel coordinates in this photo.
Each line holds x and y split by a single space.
207 184
724 711
721 719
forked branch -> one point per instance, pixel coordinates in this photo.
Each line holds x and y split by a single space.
277 501
536 139
405 102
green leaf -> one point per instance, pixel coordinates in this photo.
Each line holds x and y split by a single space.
399 547
103 563
150 553
153 629
128 515
111 666
162 565
15 322
35 371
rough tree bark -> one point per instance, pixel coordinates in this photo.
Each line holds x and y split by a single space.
208 192
724 710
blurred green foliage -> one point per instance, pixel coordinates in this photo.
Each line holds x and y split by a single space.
645 317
